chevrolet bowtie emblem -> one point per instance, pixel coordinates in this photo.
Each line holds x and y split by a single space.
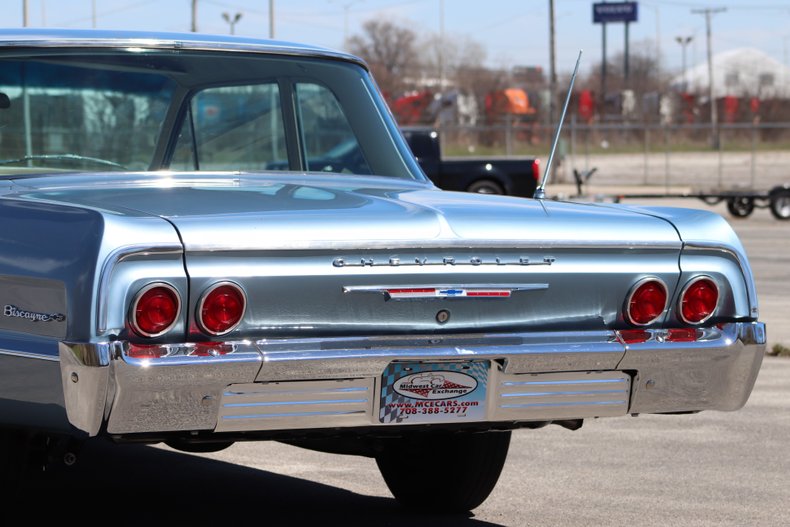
445 291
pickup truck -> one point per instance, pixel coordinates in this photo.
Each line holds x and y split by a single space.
511 176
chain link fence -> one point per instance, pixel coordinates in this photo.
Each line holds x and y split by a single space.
746 155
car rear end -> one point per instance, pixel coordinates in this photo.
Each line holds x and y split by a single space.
285 333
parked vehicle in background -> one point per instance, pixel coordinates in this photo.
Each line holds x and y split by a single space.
209 239
486 175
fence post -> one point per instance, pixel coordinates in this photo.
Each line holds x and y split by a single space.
720 146
666 159
754 153
508 134
573 141
646 141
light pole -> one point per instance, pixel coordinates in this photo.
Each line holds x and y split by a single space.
346 8
231 21
714 117
271 19
684 41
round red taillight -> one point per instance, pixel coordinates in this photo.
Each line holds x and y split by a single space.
221 308
698 300
646 302
155 310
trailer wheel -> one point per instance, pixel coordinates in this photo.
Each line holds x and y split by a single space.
740 206
780 203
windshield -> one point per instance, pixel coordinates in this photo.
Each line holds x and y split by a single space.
115 110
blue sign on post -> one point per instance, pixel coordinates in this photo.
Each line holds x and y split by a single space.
606 12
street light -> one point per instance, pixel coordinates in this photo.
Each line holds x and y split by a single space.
346 7
684 41
231 21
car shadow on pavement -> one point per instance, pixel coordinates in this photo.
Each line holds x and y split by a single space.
141 485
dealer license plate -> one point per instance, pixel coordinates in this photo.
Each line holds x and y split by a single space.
446 392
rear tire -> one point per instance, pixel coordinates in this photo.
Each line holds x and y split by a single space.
443 472
485 186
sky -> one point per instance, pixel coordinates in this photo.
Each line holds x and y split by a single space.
513 32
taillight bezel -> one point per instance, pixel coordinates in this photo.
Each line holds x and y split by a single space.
682 296
202 301
627 308
133 323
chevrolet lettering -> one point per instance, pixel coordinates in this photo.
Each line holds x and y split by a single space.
216 239
396 261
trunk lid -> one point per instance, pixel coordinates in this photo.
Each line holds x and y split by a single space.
333 255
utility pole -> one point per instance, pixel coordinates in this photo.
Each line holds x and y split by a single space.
232 21
93 14
603 68
441 46
346 8
626 67
271 19
552 73
24 13
714 117
194 16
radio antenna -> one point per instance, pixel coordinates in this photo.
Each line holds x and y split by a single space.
540 193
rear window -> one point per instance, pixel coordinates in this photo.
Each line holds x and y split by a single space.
103 110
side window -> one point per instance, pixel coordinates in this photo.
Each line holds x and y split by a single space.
233 128
329 143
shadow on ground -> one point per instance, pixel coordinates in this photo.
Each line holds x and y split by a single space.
141 485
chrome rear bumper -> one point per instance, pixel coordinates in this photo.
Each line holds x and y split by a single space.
298 384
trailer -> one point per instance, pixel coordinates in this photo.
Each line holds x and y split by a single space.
740 202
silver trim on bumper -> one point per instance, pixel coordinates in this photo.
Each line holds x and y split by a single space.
336 382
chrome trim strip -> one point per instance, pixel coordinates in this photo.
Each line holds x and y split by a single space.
293 414
294 403
555 383
29 348
386 290
24 355
346 402
444 243
742 261
112 260
566 394
176 41
545 405
544 394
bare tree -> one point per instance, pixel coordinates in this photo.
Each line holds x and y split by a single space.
390 51
456 55
645 77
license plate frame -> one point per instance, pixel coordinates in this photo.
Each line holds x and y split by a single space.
434 392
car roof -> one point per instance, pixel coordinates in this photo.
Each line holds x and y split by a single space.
92 38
